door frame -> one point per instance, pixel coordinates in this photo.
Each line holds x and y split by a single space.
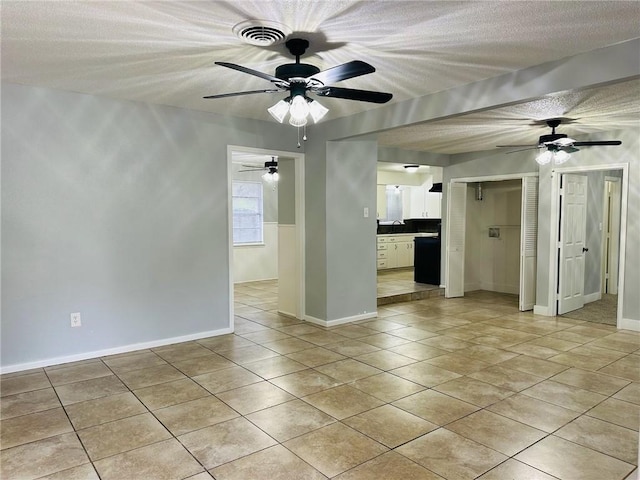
467 180
553 230
299 253
613 252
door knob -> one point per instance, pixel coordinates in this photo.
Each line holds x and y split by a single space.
584 249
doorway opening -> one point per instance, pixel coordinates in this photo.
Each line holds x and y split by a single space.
589 223
279 254
497 217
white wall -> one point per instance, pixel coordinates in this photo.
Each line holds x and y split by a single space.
252 263
491 263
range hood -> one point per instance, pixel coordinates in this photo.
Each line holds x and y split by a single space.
436 188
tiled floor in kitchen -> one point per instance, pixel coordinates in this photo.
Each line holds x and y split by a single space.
431 389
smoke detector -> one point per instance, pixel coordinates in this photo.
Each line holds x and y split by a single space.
262 33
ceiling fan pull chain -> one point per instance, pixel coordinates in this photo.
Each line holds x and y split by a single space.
304 134
298 137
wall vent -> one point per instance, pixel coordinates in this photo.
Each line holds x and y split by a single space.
261 32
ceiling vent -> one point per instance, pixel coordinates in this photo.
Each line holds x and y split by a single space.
261 32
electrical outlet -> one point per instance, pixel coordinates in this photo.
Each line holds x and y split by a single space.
76 321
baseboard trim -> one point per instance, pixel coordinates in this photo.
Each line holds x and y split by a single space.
542 310
18 367
629 324
592 297
340 321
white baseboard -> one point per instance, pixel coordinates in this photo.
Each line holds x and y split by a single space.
500 288
592 297
629 324
112 351
340 321
287 314
472 287
542 310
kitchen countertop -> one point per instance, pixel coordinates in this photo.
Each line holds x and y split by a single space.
415 234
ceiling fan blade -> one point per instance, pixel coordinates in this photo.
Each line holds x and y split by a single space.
353 94
236 94
250 71
603 142
252 170
343 72
522 149
515 146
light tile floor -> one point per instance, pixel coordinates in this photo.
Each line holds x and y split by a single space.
432 389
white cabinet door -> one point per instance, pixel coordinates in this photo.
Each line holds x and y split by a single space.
432 204
417 206
405 254
392 255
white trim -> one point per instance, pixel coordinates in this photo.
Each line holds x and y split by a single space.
300 219
553 233
230 236
629 324
592 297
542 310
493 178
340 321
112 351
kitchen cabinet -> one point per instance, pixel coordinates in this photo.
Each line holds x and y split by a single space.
404 252
395 251
423 203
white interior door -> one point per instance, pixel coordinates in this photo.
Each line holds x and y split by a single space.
573 225
528 237
456 219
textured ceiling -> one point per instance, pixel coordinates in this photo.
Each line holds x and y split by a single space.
164 53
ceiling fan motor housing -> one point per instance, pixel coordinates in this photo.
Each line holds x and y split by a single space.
293 70
552 137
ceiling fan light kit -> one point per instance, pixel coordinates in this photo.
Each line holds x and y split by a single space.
300 79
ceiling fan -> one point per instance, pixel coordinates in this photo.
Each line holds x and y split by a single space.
270 168
557 146
300 79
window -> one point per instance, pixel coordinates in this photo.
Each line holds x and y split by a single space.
247 212
394 202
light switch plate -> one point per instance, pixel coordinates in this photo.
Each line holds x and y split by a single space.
76 320
366 212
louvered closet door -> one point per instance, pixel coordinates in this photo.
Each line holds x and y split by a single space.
528 242
456 219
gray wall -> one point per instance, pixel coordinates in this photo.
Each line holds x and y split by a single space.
286 191
315 184
117 210
351 248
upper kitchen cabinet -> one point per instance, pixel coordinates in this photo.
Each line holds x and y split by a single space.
423 203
